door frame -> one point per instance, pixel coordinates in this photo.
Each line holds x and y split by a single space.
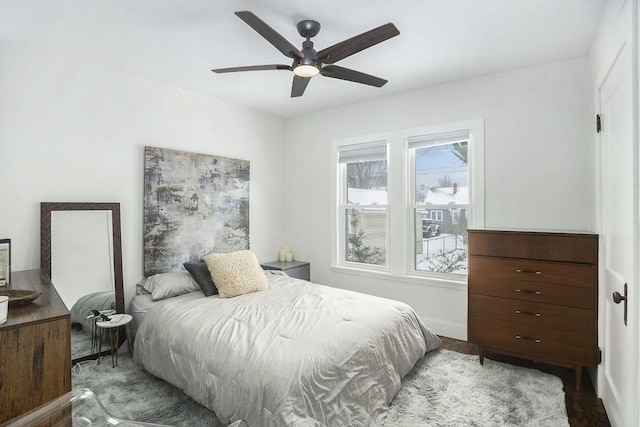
628 37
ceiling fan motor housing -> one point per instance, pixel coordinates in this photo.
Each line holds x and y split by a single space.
309 53
308 28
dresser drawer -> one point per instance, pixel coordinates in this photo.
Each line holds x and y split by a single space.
533 342
533 313
533 271
563 247
536 292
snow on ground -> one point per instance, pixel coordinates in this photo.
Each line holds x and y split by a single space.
433 246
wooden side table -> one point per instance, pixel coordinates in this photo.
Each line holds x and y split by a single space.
35 348
298 269
117 320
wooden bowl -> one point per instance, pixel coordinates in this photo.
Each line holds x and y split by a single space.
20 297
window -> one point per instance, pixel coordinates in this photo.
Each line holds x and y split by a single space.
441 200
363 204
404 200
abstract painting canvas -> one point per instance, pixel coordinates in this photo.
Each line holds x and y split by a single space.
194 204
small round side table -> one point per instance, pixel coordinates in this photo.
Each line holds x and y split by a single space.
116 321
95 336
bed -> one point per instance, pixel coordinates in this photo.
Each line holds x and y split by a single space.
297 353
101 301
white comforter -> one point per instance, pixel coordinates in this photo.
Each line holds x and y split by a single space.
296 354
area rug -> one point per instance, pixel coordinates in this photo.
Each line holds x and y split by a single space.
445 388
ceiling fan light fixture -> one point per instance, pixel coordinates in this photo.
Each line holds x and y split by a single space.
305 70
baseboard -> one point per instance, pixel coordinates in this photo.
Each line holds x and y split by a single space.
451 330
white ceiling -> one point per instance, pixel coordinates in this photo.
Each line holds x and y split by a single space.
178 42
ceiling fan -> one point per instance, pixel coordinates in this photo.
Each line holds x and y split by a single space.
308 62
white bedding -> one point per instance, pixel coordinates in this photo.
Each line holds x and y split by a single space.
295 354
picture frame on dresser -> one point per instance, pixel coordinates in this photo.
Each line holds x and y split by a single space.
5 262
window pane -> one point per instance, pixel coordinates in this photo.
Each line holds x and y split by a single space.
441 174
441 240
367 183
366 236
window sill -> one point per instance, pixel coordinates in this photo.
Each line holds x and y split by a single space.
459 285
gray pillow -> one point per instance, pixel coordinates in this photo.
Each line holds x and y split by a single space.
201 274
166 285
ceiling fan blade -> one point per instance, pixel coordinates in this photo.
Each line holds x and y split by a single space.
299 85
271 35
337 72
252 68
355 44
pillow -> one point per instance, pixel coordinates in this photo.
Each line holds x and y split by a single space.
94 301
167 285
140 290
201 274
236 273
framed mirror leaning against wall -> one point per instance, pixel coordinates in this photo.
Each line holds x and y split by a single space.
81 250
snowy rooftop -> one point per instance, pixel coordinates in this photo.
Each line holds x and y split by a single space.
361 196
435 196
447 195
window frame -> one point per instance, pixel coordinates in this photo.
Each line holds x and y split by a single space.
413 206
400 252
343 206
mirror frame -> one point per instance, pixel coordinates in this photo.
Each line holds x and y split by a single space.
45 243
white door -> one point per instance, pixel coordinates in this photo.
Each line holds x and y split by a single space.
617 230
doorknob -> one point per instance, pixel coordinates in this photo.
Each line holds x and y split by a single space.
617 298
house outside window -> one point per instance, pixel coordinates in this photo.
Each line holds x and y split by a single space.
433 215
403 202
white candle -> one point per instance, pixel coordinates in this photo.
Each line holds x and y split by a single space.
287 249
283 255
289 257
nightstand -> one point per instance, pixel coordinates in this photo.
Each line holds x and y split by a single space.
298 269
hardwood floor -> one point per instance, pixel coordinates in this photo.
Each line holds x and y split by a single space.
584 408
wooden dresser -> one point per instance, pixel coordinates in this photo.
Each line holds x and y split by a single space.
35 348
534 295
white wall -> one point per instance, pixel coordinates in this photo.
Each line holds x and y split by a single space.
538 167
71 132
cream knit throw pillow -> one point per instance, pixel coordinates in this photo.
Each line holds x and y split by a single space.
236 273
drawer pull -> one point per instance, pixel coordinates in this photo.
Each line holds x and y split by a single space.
527 271
535 340
528 313
528 291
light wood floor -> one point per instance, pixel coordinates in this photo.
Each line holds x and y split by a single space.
584 408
